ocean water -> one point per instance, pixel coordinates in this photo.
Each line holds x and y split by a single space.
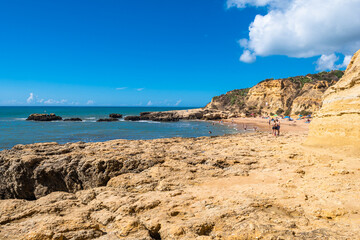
14 129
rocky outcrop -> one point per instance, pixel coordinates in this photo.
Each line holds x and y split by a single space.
115 115
176 115
132 118
107 120
294 95
170 116
32 171
228 187
338 121
73 120
44 117
309 98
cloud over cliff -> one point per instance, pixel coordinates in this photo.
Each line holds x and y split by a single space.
302 28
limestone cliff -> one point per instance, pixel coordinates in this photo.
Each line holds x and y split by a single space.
293 95
338 121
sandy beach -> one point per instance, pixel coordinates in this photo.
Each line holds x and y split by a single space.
263 124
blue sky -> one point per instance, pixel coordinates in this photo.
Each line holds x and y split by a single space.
139 53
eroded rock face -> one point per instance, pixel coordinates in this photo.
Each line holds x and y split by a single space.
338 121
33 171
310 97
228 187
291 95
44 117
272 95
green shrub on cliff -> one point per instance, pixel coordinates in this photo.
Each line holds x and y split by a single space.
304 80
338 73
279 111
237 96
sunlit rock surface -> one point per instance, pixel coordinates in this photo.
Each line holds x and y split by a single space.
338 121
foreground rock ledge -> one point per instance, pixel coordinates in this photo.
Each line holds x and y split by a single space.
232 187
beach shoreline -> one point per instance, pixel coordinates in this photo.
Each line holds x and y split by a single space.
262 124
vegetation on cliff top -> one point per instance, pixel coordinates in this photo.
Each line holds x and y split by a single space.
235 97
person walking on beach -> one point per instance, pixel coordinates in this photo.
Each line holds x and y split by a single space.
278 127
274 128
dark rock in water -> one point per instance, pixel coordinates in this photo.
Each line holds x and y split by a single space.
115 115
44 117
107 120
144 113
132 118
73 120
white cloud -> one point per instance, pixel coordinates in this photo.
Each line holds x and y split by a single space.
178 102
90 102
247 57
326 62
35 99
245 3
346 62
30 99
140 89
149 103
121 88
302 28
52 101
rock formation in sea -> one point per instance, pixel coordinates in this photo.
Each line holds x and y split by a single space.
107 120
338 121
176 115
44 117
73 120
115 115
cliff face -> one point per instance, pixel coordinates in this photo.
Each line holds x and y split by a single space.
294 95
338 121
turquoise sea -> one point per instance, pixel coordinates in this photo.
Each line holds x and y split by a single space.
14 129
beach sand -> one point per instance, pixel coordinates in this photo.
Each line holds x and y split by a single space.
263 124
241 186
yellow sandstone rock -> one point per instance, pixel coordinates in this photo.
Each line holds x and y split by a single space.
338 121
